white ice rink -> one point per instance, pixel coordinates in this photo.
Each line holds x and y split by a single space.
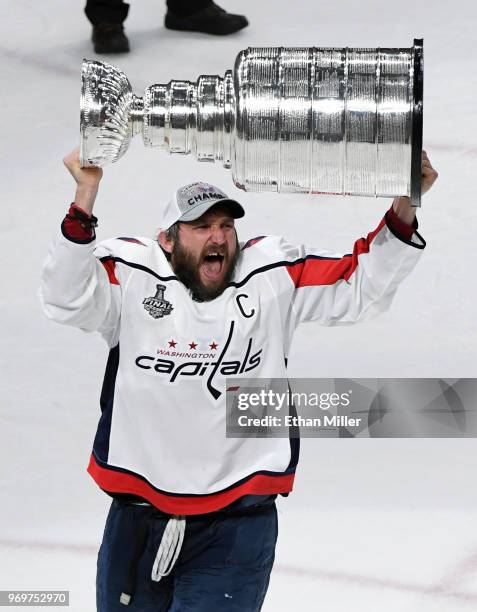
373 525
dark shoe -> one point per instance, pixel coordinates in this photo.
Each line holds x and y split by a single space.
210 20
110 38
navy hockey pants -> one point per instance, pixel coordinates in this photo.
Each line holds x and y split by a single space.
224 564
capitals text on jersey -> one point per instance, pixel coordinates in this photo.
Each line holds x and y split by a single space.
174 370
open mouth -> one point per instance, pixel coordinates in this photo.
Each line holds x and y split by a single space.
212 265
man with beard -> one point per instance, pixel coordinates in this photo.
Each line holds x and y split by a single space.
193 523
202 246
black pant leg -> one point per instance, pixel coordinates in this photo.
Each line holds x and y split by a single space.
106 11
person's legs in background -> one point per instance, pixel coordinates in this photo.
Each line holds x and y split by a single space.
202 16
107 17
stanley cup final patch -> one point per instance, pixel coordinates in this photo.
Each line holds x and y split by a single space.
158 306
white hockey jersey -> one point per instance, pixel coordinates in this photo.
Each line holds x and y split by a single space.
161 435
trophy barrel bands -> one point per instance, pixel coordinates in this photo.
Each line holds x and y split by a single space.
198 118
169 116
328 120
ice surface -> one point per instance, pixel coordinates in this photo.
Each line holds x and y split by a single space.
372 525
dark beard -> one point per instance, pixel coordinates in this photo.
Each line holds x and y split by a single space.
187 271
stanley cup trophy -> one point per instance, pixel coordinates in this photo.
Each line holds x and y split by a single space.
311 120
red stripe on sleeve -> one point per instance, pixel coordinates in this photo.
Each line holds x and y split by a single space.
313 272
110 265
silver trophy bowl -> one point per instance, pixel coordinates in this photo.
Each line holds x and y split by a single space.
342 121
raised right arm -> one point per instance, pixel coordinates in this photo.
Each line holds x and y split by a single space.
77 288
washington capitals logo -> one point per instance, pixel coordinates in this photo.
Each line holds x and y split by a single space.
206 365
158 306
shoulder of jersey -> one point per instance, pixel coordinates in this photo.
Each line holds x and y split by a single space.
263 252
134 249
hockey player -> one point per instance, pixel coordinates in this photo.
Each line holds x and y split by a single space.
193 523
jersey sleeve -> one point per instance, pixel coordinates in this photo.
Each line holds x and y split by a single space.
336 289
80 286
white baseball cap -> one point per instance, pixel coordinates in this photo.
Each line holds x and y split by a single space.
190 202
